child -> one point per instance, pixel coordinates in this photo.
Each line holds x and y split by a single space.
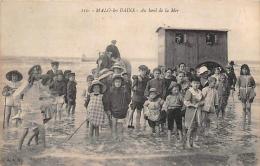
168 79
246 94
118 100
210 98
66 79
71 94
58 89
216 75
152 110
231 79
12 103
138 98
85 93
173 105
223 94
89 80
193 103
156 83
127 82
203 73
95 108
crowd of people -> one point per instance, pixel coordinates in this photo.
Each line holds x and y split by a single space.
182 102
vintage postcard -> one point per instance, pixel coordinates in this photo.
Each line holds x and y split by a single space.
117 82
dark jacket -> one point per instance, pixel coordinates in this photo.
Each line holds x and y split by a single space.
71 91
138 88
159 85
117 101
231 78
58 88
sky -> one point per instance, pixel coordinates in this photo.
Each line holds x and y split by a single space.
60 28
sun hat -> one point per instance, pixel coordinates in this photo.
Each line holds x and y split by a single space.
14 72
97 82
117 65
203 69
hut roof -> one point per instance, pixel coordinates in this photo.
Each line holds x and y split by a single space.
191 29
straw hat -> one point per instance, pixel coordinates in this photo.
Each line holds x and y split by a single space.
97 82
202 70
117 65
14 72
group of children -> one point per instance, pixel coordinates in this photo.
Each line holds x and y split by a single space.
166 96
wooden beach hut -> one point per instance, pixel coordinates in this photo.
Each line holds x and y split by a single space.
194 47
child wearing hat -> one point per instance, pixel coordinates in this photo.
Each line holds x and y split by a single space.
58 89
152 110
173 106
117 68
118 100
138 98
12 103
193 103
246 85
95 104
210 107
71 94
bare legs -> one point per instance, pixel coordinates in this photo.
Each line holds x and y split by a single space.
93 133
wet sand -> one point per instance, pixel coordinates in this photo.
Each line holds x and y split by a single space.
228 144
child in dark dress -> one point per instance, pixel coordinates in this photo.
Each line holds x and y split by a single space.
71 94
117 101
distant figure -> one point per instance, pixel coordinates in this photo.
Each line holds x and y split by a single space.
113 49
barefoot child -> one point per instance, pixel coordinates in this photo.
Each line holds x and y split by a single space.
193 103
12 104
173 106
246 94
118 100
152 110
210 107
223 93
71 94
95 108
138 98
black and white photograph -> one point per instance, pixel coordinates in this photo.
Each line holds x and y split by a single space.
129 83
